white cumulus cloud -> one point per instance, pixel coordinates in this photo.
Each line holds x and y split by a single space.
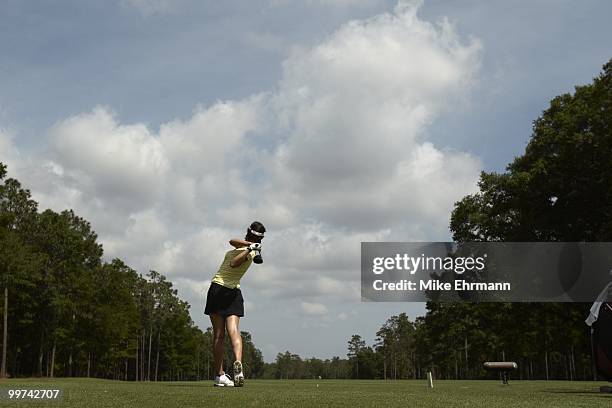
356 107
121 164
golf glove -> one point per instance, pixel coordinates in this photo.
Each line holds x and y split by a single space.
255 247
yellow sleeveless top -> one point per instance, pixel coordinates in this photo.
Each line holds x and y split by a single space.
228 276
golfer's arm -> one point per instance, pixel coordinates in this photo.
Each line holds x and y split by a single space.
239 243
239 259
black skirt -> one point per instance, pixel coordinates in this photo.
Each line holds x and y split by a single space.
224 301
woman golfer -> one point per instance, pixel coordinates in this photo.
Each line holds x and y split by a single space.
224 303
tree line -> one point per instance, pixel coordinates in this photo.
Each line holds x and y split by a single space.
453 340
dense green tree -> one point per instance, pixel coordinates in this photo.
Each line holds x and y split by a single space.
355 345
72 255
18 263
396 343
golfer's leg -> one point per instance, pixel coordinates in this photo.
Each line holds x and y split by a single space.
218 323
232 322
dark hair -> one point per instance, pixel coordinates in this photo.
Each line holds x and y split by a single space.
257 227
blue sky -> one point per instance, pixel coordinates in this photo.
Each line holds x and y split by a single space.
170 125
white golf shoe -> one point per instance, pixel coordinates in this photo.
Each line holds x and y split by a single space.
238 374
223 381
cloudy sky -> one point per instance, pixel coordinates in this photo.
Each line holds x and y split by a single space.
172 124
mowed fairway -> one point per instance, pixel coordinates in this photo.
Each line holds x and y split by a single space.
305 393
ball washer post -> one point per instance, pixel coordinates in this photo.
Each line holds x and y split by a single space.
503 367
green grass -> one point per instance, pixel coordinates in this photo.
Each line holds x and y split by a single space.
305 393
